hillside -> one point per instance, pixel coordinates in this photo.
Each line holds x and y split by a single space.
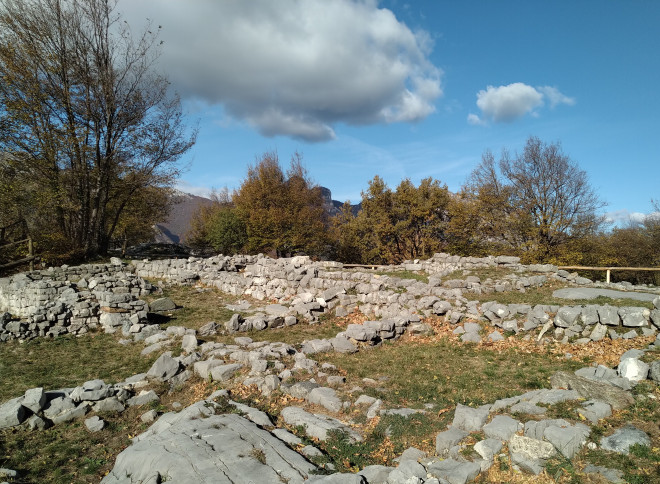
184 206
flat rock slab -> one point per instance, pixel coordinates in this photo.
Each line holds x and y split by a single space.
614 396
316 425
195 446
593 293
621 440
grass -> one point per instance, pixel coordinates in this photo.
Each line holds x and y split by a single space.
197 306
543 295
67 361
483 273
445 373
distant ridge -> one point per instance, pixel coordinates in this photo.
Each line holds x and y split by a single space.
184 206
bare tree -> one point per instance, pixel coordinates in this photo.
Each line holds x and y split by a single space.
537 200
85 115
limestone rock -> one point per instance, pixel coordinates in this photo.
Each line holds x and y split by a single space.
12 413
470 419
567 439
162 305
221 449
447 439
164 368
502 427
316 425
612 395
453 471
94 424
633 369
34 399
621 440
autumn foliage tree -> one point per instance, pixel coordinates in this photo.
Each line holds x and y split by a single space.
87 121
282 212
393 226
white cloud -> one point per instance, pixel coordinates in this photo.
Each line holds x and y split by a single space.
475 120
555 97
624 216
295 68
513 101
506 103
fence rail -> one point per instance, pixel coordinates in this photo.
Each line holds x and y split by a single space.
30 258
609 269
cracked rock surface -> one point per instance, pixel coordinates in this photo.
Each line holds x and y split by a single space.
198 446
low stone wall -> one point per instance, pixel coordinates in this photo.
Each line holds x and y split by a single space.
315 287
70 300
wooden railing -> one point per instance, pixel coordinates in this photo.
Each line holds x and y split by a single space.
30 258
609 269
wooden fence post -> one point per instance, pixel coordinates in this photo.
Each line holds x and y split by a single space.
30 254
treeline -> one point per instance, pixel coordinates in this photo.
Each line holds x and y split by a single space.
537 205
90 135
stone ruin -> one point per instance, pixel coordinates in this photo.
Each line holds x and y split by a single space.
71 300
299 289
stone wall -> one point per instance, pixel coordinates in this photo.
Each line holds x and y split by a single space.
70 300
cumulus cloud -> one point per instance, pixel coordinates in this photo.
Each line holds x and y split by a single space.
295 68
513 101
624 216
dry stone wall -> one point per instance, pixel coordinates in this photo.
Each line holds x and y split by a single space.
71 300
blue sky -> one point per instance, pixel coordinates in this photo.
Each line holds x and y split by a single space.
415 89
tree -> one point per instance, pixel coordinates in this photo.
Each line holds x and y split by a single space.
393 226
87 120
282 212
226 231
538 202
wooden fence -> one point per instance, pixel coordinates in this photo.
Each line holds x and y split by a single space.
608 270
30 258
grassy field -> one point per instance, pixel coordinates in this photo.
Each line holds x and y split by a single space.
432 373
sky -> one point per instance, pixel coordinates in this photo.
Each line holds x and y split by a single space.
414 89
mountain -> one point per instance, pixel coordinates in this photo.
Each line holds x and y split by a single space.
184 206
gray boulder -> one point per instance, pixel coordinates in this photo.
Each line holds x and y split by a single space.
567 439
502 427
94 424
612 475
143 398
405 471
164 368
654 371
337 479
225 372
447 439
92 390
376 474
224 449
34 399
189 343
567 316
592 390
633 369
634 317
342 345
621 440
161 305
470 419
608 315
326 397
454 471
316 425
12 413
